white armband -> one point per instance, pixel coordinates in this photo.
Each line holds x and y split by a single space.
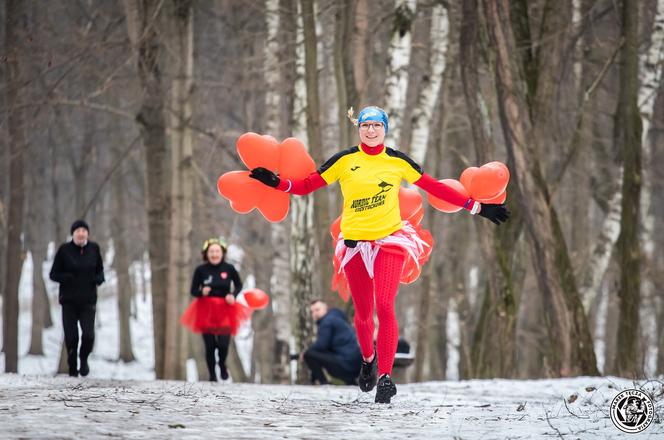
476 208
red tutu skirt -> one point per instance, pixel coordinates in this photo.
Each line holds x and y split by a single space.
212 314
413 242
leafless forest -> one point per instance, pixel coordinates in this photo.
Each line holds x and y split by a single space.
126 112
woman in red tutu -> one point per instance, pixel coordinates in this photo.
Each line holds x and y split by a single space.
376 249
215 313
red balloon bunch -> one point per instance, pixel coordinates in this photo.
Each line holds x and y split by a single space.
289 158
486 184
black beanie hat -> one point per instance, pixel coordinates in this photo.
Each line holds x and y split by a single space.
78 224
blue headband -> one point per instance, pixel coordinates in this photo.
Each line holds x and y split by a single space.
373 114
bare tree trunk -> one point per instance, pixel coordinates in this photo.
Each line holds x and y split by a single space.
431 83
40 303
302 226
79 162
301 268
343 68
3 227
179 27
397 75
438 320
570 339
142 29
314 138
360 49
611 349
276 317
656 138
121 264
650 76
494 341
16 31
602 251
431 95
36 242
629 250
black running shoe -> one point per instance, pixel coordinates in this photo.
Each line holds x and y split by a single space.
386 389
368 375
224 371
85 368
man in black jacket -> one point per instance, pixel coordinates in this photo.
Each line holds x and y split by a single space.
336 349
78 268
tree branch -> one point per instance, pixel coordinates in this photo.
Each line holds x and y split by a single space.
576 137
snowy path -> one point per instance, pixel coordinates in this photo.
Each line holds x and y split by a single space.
62 407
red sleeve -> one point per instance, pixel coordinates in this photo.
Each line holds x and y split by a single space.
444 192
302 187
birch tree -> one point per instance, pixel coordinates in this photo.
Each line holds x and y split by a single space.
398 57
302 215
279 309
650 77
423 112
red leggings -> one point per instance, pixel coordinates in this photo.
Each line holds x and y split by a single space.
384 286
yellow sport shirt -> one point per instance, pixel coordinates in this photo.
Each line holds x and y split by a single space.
370 187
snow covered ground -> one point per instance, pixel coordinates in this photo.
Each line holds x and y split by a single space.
61 407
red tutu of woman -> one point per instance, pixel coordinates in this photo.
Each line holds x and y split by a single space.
213 315
412 241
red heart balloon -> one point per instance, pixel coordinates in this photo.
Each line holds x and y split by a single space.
256 299
294 160
496 200
258 151
467 176
246 193
444 206
410 201
490 181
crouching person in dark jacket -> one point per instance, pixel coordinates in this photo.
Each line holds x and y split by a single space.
78 268
336 349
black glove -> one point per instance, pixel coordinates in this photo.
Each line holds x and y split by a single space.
265 176
495 213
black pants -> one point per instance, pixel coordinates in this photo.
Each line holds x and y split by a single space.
333 364
72 315
213 343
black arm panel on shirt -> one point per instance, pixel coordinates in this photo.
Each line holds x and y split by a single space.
331 161
396 153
